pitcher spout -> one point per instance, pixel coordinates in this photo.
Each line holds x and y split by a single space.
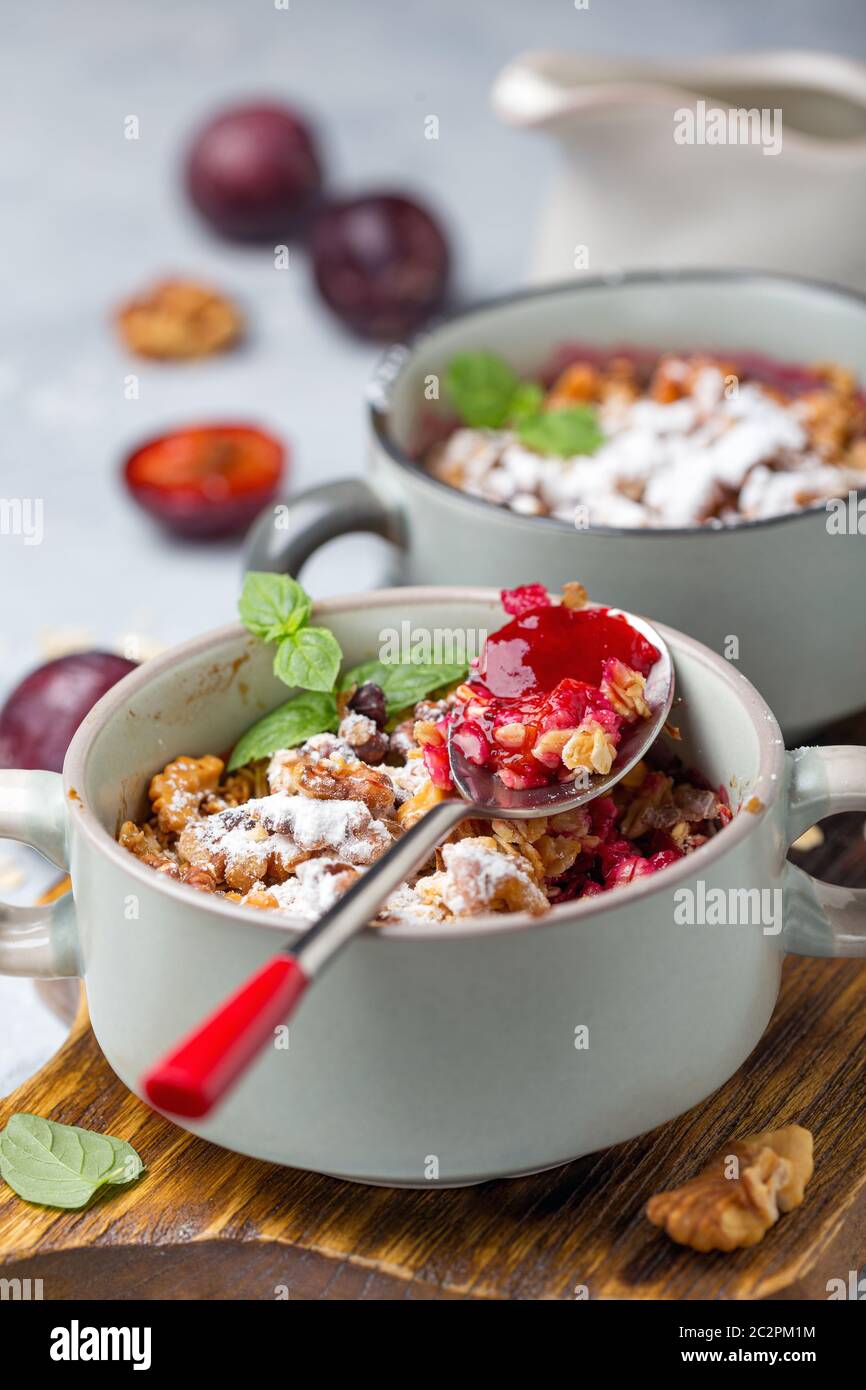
823 95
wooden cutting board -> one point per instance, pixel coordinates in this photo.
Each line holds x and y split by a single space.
205 1223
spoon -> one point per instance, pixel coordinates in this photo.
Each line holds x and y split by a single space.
203 1067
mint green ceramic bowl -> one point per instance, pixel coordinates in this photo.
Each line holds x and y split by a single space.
435 1054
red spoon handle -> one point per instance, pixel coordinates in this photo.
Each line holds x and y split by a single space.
191 1078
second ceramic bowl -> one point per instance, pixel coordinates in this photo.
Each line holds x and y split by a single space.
785 594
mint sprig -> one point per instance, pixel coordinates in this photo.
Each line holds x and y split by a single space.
566 432
275 608
62 1165
273 605
488 394
481 387
311 712
309 659
526 403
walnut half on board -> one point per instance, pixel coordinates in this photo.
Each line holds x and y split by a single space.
741 1192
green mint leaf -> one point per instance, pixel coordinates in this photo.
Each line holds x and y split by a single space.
526 401
128 1165
481 386
403 684
573 430
298 719
273 606
309 659
61 1165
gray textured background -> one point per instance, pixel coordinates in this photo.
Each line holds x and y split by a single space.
87 217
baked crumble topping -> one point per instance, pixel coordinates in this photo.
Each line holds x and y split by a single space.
685 440
291 832
296 851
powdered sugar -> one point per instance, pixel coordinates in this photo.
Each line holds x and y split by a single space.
316 886
489 870
355 728
479 878
722 452
408 779
292 827
345 826
768 493
320 749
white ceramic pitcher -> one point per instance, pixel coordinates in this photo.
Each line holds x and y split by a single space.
647 181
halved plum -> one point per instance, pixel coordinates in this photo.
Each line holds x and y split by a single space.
206 480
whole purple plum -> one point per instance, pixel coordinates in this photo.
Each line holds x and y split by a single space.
381 264
253 172
44 710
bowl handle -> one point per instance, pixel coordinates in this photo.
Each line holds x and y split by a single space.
286 534
823 919
37 941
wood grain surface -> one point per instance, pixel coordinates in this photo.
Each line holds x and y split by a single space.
206 1223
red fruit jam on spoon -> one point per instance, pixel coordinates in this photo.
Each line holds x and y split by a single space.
554 689
537 650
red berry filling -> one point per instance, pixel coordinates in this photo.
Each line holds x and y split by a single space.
524 598
541 673
507 734
540 648
438 766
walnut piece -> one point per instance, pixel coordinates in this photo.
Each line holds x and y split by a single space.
141 841
178 791
327 769
204 847
624 688
578 383
178 319
418 805
267 841
574 594
203 877
740 1194
477 877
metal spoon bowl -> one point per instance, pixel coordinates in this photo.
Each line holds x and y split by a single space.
490 796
